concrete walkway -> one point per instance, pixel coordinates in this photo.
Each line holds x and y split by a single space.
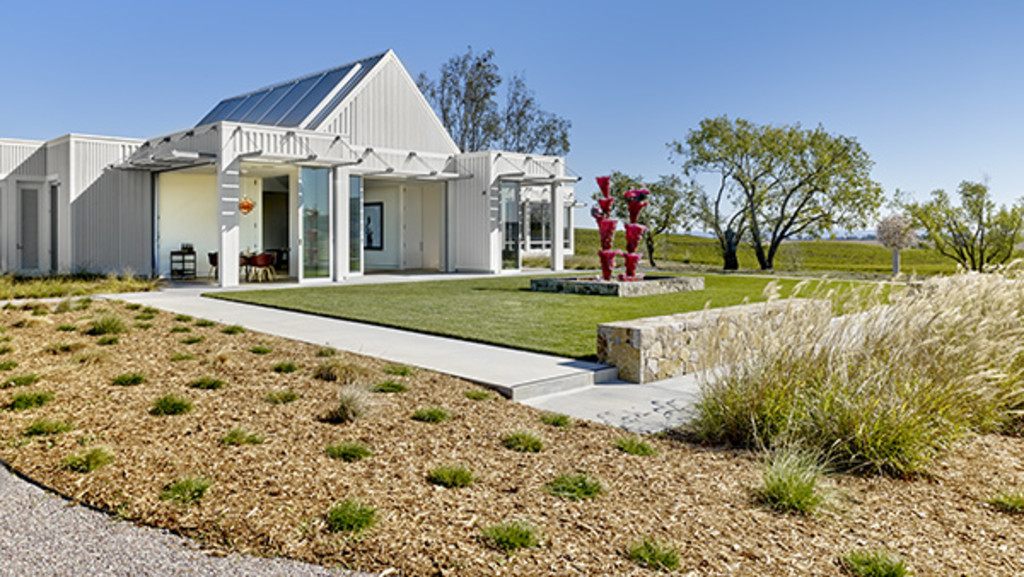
580 389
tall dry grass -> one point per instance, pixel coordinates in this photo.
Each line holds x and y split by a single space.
23 287
883 387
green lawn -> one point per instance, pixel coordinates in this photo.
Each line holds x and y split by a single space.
500 310
807 255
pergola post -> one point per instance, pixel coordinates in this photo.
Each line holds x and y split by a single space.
557 229
228 192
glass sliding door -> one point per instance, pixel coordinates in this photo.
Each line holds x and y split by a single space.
355 224
509 225
315 191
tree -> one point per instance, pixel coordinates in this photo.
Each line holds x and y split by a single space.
465 98
776 182
666 210
896 232
974 234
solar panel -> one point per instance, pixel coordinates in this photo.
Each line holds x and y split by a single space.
289 103
309 102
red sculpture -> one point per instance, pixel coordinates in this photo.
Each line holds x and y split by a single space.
606 226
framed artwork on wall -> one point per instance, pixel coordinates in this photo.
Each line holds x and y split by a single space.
373 226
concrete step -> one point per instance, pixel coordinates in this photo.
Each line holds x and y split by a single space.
582 378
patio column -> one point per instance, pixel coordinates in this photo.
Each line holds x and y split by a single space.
341 224
557 229
228 192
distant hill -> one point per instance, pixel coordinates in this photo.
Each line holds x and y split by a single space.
861 256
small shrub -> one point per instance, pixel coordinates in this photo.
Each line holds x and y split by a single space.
192 340
204 323
186 491
655 555
261 350
47 427
151 310
20 381
399 370
286 367
132 306
348 451
634 446
557 420
143 326
177 357
389 387
129 380
791 482
350 516
26 401
233 330
183 318
239 436
207 384
326 352
107 325
452 477
478 395
575 486
67 328
511 536
90 357
171 405
280 397
523 441
8 365
89 461
1009 501
180 329
874 563
352 404
107 341
431 415
337 371
145 317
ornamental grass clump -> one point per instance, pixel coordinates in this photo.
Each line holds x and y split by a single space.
790 482
239 436
286 367
874 563
281 397
557 420
107 324
389 387
338 371
186 491
882 388
511 536
351 516
634 446
89 461
1009 501
28 401
432 415
348 451
128 380
353 403
170 405
523 441
654 554
451 476
575 486
47 427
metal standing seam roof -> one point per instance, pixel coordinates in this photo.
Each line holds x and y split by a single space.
288 104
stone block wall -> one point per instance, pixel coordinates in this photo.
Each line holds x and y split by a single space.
656 348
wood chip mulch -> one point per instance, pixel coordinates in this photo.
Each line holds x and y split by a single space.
270 498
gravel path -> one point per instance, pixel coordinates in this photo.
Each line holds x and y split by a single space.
42 534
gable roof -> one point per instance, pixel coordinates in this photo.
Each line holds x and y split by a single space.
300 103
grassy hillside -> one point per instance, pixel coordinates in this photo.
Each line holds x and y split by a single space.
813 255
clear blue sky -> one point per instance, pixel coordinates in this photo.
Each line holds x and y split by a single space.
933 90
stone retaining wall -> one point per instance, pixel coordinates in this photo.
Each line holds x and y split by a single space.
656 348
652 285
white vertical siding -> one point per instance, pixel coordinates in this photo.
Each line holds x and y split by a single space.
473 225
111 209
388 111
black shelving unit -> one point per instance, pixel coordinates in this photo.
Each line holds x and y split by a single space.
183 264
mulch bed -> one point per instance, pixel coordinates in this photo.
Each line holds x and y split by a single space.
270 498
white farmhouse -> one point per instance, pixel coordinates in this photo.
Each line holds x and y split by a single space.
335 174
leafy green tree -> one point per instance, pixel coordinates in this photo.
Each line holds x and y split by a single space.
975 234
465 97
666 209
776 182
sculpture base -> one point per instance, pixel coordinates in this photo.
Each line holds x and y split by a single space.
651 285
